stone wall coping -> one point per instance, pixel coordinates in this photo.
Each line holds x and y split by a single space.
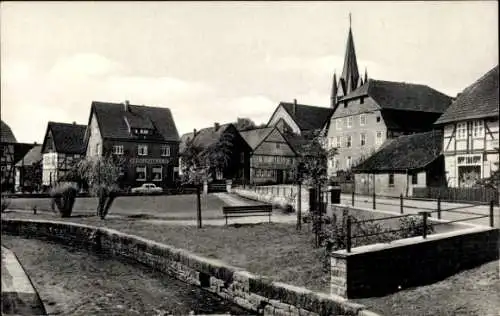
237 272
409 241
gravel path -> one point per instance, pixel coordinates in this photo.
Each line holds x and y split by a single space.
74 282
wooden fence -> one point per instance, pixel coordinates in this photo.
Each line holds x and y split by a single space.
485 195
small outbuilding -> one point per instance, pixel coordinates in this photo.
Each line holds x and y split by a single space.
402 164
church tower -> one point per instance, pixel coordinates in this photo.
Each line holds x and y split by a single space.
349 79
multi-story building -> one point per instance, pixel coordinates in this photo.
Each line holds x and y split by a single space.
368 112
10 152
145 137
300 119
273 160
62 149
237 150
471 132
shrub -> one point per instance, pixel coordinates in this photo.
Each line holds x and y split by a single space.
412 226
63 197
5 202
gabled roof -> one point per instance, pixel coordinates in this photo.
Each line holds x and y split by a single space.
32 157
407 152
6 135
297 142
114 121
477 100
68 138
402 96
206 136
308 117
255 136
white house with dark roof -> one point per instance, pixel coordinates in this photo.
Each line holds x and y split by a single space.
62 149
300 119
145 137
471 132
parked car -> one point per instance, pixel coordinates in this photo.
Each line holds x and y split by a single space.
147 188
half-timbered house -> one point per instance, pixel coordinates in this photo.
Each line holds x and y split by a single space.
10 152
471 132
145 137
29 170
273 159
62 149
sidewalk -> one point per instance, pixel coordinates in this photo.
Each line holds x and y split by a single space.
450 211
19 297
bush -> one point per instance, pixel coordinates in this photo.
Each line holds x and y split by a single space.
63 196
412 226
5 202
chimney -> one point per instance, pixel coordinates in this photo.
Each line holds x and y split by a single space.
74 123
216 126
194 132
126 105
294 108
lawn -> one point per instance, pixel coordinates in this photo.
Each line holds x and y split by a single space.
282 253
162 206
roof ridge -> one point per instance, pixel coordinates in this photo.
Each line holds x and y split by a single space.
300 104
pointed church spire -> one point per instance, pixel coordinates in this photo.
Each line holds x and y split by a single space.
333 97
350 74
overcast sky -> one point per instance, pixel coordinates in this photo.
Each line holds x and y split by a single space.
216 61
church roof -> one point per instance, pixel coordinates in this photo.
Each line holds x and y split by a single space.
67 138
392 95
478 100
113 118
407 152
308 117
6 135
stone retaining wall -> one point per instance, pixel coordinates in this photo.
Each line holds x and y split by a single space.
252 292
382 269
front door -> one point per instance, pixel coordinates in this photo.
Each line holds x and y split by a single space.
279 176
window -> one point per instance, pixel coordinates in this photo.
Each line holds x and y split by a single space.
461 130
345 122
165 151
378 119
339 141
143 131
391 179
339 124
140 173
118 150
348 162
142 150
335 163
348 141
478 128
414 178
378 139
362 119
334 142
157 173
349 122
277 145
362 139
97 149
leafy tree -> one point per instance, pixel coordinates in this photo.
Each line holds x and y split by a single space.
102 175
63 197
312 162
244 123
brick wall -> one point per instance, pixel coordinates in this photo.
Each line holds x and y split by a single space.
252 292
382 269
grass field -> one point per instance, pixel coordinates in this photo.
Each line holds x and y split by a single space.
282 253
163 206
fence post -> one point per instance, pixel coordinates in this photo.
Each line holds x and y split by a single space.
374 204
424 219
348 234
439 207
401 203
492 224
353 198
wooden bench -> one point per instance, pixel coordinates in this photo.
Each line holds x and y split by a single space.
247 210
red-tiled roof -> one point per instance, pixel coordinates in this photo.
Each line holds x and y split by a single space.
477 100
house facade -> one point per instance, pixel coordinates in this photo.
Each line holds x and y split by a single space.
471 132
299 119
401 165
368 112
61 150
237 151
10 152
273 159
144 138
29 170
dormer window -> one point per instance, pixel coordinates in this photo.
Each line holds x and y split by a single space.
143 131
